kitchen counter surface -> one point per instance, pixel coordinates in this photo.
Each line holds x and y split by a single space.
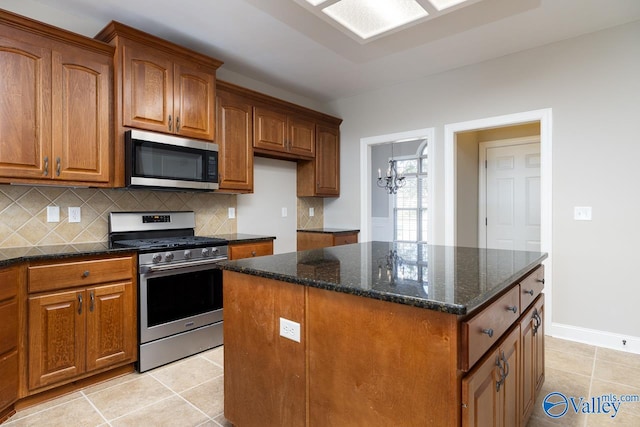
456 280
10 256
330 230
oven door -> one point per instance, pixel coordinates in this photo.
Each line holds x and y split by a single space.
175 300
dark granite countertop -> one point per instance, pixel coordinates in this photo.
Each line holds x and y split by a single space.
244 238
10 256
330 230
456 280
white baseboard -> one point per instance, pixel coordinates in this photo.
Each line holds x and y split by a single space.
610 340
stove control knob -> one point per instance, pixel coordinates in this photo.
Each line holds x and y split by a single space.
156 258
168 256
187 254
205 252
214 250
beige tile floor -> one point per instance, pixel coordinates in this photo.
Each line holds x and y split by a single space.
189 392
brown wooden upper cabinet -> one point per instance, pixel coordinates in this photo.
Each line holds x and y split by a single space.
55 104
321 177
160 87
234 135
282 132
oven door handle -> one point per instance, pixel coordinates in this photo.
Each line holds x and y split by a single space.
179 265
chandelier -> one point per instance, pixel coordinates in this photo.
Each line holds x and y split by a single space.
392 180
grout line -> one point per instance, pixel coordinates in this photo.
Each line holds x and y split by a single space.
13 418
95 408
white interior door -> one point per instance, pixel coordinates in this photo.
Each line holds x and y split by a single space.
512 196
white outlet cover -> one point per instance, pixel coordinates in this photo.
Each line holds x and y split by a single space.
289 329
284 212
232 213
312 212
74 214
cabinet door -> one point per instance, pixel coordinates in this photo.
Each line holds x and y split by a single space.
56 337
538 346
480 399
147 85
235 138
81 88
302 136
270 129
25 108
194 102
509 415
111 325
327 161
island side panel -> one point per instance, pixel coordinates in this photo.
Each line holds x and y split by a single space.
264 373
373 362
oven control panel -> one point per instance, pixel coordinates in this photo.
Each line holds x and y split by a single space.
148 219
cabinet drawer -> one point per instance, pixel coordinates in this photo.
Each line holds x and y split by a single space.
248 250
79 273
485 329
8 283
8 326
345 239
531 287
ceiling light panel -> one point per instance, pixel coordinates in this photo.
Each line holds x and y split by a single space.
438 4
368 18
315 2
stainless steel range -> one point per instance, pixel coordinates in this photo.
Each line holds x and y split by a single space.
180 288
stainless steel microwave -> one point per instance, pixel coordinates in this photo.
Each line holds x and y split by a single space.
170 162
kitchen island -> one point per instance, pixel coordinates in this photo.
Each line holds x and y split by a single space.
383 334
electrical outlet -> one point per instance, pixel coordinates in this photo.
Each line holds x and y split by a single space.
290 329
74 214
284 212
232 213
312 212
582 213
53 214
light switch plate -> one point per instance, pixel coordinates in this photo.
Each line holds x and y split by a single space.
582 213
232 213
53 214
312 212
284 212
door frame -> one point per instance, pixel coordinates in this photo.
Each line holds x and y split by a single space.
544 117
482 178
366 174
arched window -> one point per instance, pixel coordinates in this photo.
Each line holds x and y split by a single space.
410 204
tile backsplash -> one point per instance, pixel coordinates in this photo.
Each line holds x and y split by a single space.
23 212
305 221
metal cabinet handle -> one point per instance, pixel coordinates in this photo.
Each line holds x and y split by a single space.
177 124
86 273
537 321
253 253
79 303
512 308
530 292
170 122
57 166
540 280
46 165
91 301
504 370
488 332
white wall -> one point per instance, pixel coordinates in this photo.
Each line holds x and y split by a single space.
591 84
261 212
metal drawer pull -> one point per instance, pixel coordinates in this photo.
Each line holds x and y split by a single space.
79 303
85 274
177 124
540 281
58 166
488 332
170 122
253 253
530 292
46 165
92 301
513 309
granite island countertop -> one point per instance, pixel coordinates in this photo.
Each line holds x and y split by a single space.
456 280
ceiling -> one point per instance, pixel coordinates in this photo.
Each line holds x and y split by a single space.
280 43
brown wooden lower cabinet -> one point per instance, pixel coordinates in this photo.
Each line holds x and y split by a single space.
249 250
79 330
9 326
315 240
362 361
